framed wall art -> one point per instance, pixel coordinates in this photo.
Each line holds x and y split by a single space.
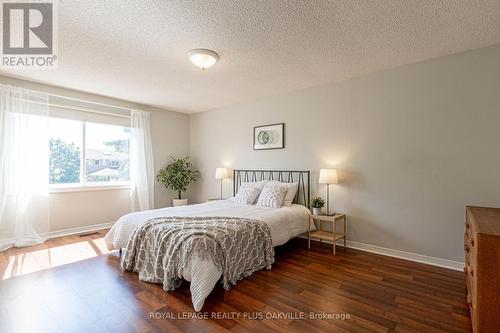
269 137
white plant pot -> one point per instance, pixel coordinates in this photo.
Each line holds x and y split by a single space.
317 211
179 202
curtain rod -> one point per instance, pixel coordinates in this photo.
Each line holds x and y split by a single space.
76 109
89 111
88 101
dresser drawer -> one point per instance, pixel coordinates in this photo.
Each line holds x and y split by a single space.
470 249
470 228
482 259
471 285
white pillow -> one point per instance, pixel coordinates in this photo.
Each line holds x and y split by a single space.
258 185
290 193
248 192
272 195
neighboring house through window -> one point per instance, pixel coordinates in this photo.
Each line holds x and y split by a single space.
85 153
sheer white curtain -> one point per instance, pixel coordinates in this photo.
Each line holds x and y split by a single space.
141 161
24 174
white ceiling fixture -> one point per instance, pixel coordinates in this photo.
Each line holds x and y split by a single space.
203 58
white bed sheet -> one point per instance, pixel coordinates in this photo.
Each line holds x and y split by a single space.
284 223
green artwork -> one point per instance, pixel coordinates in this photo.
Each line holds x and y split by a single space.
263 137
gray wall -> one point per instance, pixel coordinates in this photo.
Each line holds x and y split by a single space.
414 145
75 209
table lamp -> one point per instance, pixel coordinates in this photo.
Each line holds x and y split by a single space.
221 173
328 176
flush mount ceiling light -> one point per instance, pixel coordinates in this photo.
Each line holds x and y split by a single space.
203 58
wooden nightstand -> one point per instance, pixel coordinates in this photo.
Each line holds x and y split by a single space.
321 234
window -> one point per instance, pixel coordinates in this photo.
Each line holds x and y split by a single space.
84 153
106 153
65 147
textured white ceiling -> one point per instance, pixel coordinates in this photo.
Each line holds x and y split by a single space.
136 50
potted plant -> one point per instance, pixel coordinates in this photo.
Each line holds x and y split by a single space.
317 204
177 176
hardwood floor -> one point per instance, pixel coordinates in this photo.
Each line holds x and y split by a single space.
54 252
378 293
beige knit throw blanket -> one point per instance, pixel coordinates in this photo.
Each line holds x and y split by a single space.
160 249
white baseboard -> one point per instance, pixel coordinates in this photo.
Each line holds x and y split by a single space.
455 265
80 230
450 264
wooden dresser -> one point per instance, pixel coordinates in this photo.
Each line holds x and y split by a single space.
482 266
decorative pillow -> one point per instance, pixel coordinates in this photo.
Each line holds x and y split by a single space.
247 193
258 185
272 195
290 193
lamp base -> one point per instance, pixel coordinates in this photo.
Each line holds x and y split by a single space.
329 213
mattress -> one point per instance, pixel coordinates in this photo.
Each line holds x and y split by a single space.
284 224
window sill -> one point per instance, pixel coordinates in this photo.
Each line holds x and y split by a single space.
89 188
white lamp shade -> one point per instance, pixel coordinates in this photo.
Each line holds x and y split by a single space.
221 173
328 176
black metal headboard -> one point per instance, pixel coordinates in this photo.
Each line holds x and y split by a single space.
303 195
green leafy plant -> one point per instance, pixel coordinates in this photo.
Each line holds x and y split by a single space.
317 202
178 175
64 162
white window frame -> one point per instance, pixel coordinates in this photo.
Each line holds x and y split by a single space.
84 185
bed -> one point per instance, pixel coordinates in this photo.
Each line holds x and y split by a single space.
284 223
